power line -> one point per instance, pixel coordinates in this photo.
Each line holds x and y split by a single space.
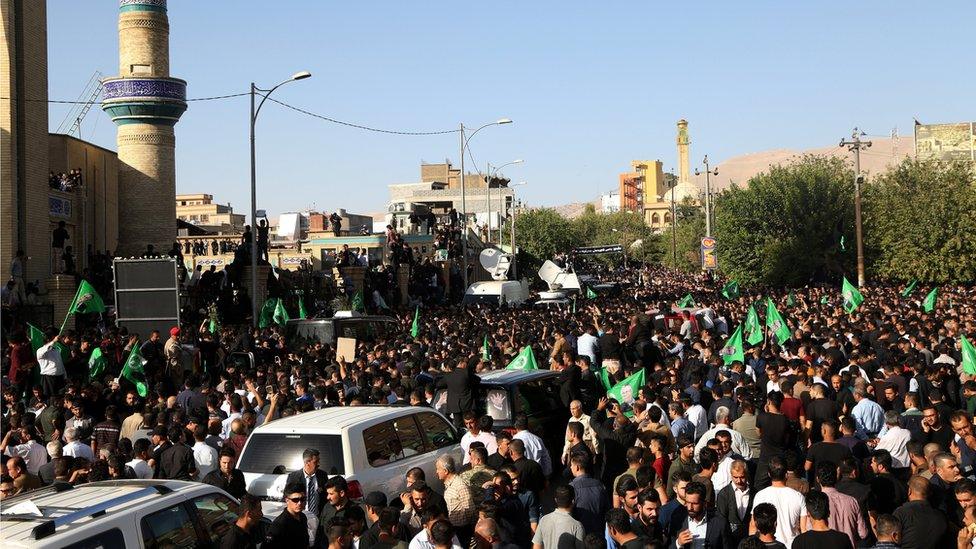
357 126
60 102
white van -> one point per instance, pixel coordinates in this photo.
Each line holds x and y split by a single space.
496 292
372 447
117 514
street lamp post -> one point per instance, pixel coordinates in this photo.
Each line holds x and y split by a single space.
464 204
254 192
515 206
490 176
672 183
708 195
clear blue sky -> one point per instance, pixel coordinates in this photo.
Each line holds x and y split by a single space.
590 85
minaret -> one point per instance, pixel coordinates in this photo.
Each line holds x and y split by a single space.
685 187
145 104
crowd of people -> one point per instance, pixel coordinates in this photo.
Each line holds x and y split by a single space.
66 182
855 432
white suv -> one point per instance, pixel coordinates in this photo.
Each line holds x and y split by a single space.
373 447
118 514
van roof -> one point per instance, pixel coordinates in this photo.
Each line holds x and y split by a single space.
334 420
504 377
64 507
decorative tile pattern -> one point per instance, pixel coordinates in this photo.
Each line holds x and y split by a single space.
143 87
59 207
156 3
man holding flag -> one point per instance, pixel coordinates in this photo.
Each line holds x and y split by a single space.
51 365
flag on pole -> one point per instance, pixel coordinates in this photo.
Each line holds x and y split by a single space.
485 351
415 327
910 288
590 294
302 313
266 317
776 324
686 301
627 391
968 357
280 314
824 300
357 301
930 299
133 371
96 364
733 350
605 379
731 290
852 297
754 333
86 300
791 300
525 360
37 338
214 326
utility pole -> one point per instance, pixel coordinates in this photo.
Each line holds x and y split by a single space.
708 195
464 218
673 182
855 144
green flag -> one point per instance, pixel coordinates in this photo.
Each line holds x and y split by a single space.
86 300
214 326
36 336
96 364
733 350
824 300
843 248
132 371
731 290
776 324
525 360
280 313
574 304
791 300
302 313
852 297
357 301
968 357
627 391
266 317
485 352
686 301
590 294
605 379
754 333
910 288
415 327
929 303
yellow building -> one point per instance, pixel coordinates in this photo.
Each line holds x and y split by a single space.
656 198
202 211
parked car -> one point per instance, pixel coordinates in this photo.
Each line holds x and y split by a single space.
300 332
371 446
118 514
496 292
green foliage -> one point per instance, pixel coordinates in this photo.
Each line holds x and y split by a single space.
785 227
920 222
624 228
541 233
690 230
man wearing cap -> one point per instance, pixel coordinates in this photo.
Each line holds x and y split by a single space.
173 354
685 462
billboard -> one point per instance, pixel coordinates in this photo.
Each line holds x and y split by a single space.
946 141
708 257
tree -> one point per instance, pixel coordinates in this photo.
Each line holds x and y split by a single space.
540 234
785 227
690 230
624 228
920 222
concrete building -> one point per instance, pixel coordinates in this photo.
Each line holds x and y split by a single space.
610 202
202 211
145 103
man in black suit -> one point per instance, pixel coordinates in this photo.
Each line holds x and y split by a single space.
569 381
734 502
313 479
700 523
461 384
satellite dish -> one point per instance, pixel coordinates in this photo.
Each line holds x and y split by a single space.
558 279
496 263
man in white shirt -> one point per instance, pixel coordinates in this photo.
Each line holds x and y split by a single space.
33 453
535 449
436 527
51 365
895 440
588 344
589 436
476 430
203 454
724 423
791 507
696 414
74 448
140 453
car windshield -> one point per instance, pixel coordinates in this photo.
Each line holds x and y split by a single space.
266 452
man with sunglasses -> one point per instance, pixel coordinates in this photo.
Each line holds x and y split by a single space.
290 529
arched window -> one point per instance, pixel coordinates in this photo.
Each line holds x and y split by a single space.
655 219
667 218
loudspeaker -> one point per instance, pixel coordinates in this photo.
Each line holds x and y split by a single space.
147 295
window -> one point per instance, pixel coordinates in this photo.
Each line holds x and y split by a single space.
411 440
267 452
381 443
218 514
437 431
140 70
655 219
110 539
538 396
497 404
171 527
